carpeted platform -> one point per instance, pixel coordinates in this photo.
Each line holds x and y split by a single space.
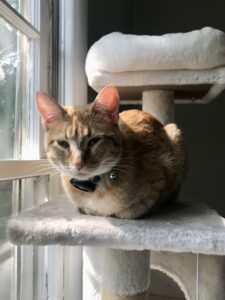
191 227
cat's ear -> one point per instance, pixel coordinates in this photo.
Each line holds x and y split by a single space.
49 110
107 104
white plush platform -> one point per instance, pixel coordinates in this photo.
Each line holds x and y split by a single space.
192 64
184 228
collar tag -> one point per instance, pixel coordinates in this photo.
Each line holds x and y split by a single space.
112 175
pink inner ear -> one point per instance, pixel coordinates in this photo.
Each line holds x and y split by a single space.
107 103
49 110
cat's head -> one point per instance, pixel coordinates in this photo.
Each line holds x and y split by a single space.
82 142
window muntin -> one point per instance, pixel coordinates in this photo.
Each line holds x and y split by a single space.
25 8
5 207
6 258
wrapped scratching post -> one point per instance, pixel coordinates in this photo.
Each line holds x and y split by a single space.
121 274
115 274
160 103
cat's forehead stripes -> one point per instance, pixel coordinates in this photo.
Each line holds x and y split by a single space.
76 129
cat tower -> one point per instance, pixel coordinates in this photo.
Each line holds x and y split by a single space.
187 242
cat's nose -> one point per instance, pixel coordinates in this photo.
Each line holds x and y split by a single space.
78 165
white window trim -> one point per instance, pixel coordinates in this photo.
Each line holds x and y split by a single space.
73 49
72 91
18 21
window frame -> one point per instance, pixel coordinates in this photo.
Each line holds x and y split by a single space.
22 168
36 188
62 264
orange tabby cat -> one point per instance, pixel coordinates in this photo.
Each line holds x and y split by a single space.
124 165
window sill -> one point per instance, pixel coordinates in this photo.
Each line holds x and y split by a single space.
18 169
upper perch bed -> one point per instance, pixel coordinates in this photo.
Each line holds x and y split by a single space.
192 64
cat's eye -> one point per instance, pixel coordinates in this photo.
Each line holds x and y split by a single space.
63 144
93 141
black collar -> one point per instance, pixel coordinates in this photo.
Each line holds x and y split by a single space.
86 185
91 184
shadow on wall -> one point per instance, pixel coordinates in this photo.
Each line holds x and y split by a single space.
170 288
204 130
152 17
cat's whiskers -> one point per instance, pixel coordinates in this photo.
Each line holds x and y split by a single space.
47 167
54 173
45 162
51 167
43 169
67 168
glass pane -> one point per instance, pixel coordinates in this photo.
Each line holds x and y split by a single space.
14 4
25 8
13 88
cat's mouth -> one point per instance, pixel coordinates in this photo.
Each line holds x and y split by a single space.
78 174
87 172
82 175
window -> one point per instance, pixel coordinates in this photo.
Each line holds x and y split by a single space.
27 64
24 177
